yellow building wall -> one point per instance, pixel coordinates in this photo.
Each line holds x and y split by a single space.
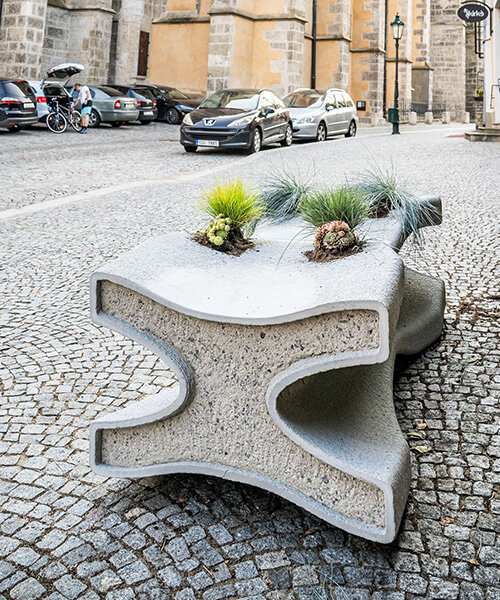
358 86
242 63
186 68
327 62
306 68
177 5
360 16
262 56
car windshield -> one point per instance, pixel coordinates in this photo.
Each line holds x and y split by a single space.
173 93
234 99
110 91
303 100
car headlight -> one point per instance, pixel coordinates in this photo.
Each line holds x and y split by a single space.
304 120
187 120
241 122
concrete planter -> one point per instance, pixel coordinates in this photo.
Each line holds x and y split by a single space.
285 371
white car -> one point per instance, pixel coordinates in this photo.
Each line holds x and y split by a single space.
53 86
318 114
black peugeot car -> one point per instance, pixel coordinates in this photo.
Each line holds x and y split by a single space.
246 119
172 104
146 102
17 104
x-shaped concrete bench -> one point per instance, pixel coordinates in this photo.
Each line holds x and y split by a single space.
285 369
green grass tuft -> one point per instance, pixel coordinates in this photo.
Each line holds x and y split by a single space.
335 204
235 201
282 193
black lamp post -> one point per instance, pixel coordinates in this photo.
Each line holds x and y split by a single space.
397 33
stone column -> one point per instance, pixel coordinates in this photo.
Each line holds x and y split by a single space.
368 55
21 37
421 67
448 58
127 25
334 37
221 43
250 49
90 38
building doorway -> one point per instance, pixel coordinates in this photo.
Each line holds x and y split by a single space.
142 62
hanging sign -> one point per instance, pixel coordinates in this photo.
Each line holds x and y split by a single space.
472 12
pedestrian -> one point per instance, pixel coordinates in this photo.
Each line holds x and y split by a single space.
85 99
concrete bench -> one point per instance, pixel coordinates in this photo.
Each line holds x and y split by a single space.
284 367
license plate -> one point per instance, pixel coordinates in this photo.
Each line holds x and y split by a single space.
210 143
148 113
29 105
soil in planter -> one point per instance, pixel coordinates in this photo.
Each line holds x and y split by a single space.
323 255
379 212
235 244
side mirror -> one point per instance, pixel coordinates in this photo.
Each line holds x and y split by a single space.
269 111
330 107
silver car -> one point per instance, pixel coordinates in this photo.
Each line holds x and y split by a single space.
110 106
318 114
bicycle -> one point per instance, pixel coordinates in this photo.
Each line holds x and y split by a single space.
60 116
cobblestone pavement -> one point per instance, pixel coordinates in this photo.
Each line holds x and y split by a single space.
67 534
105 157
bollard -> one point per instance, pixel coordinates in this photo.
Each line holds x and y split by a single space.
446 118
466 118
412 119
429 118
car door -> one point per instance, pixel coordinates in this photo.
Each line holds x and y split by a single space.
343 111
332 116
269 122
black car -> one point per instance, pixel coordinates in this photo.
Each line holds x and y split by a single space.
172 104
146 102
246 119
17 104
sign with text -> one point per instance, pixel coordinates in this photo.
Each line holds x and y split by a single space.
473 12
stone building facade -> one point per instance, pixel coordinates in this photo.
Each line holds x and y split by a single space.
204 45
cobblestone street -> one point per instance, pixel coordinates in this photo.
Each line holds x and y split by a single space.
67 534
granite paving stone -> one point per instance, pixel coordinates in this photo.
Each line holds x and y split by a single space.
68 533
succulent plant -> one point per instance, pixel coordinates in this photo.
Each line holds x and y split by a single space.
218 229
336 237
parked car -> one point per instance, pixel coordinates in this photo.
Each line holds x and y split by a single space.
172 104
146 102
110 106
17 104
44 96
318 114
52 87
247 119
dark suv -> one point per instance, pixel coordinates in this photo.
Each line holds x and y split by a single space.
246 119
172 104
17 104
146 102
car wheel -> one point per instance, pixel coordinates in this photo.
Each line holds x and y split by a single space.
256 142
351 132
190 148
116 124
94 119
287 141
321 133
173 117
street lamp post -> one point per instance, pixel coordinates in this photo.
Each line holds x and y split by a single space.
397 33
